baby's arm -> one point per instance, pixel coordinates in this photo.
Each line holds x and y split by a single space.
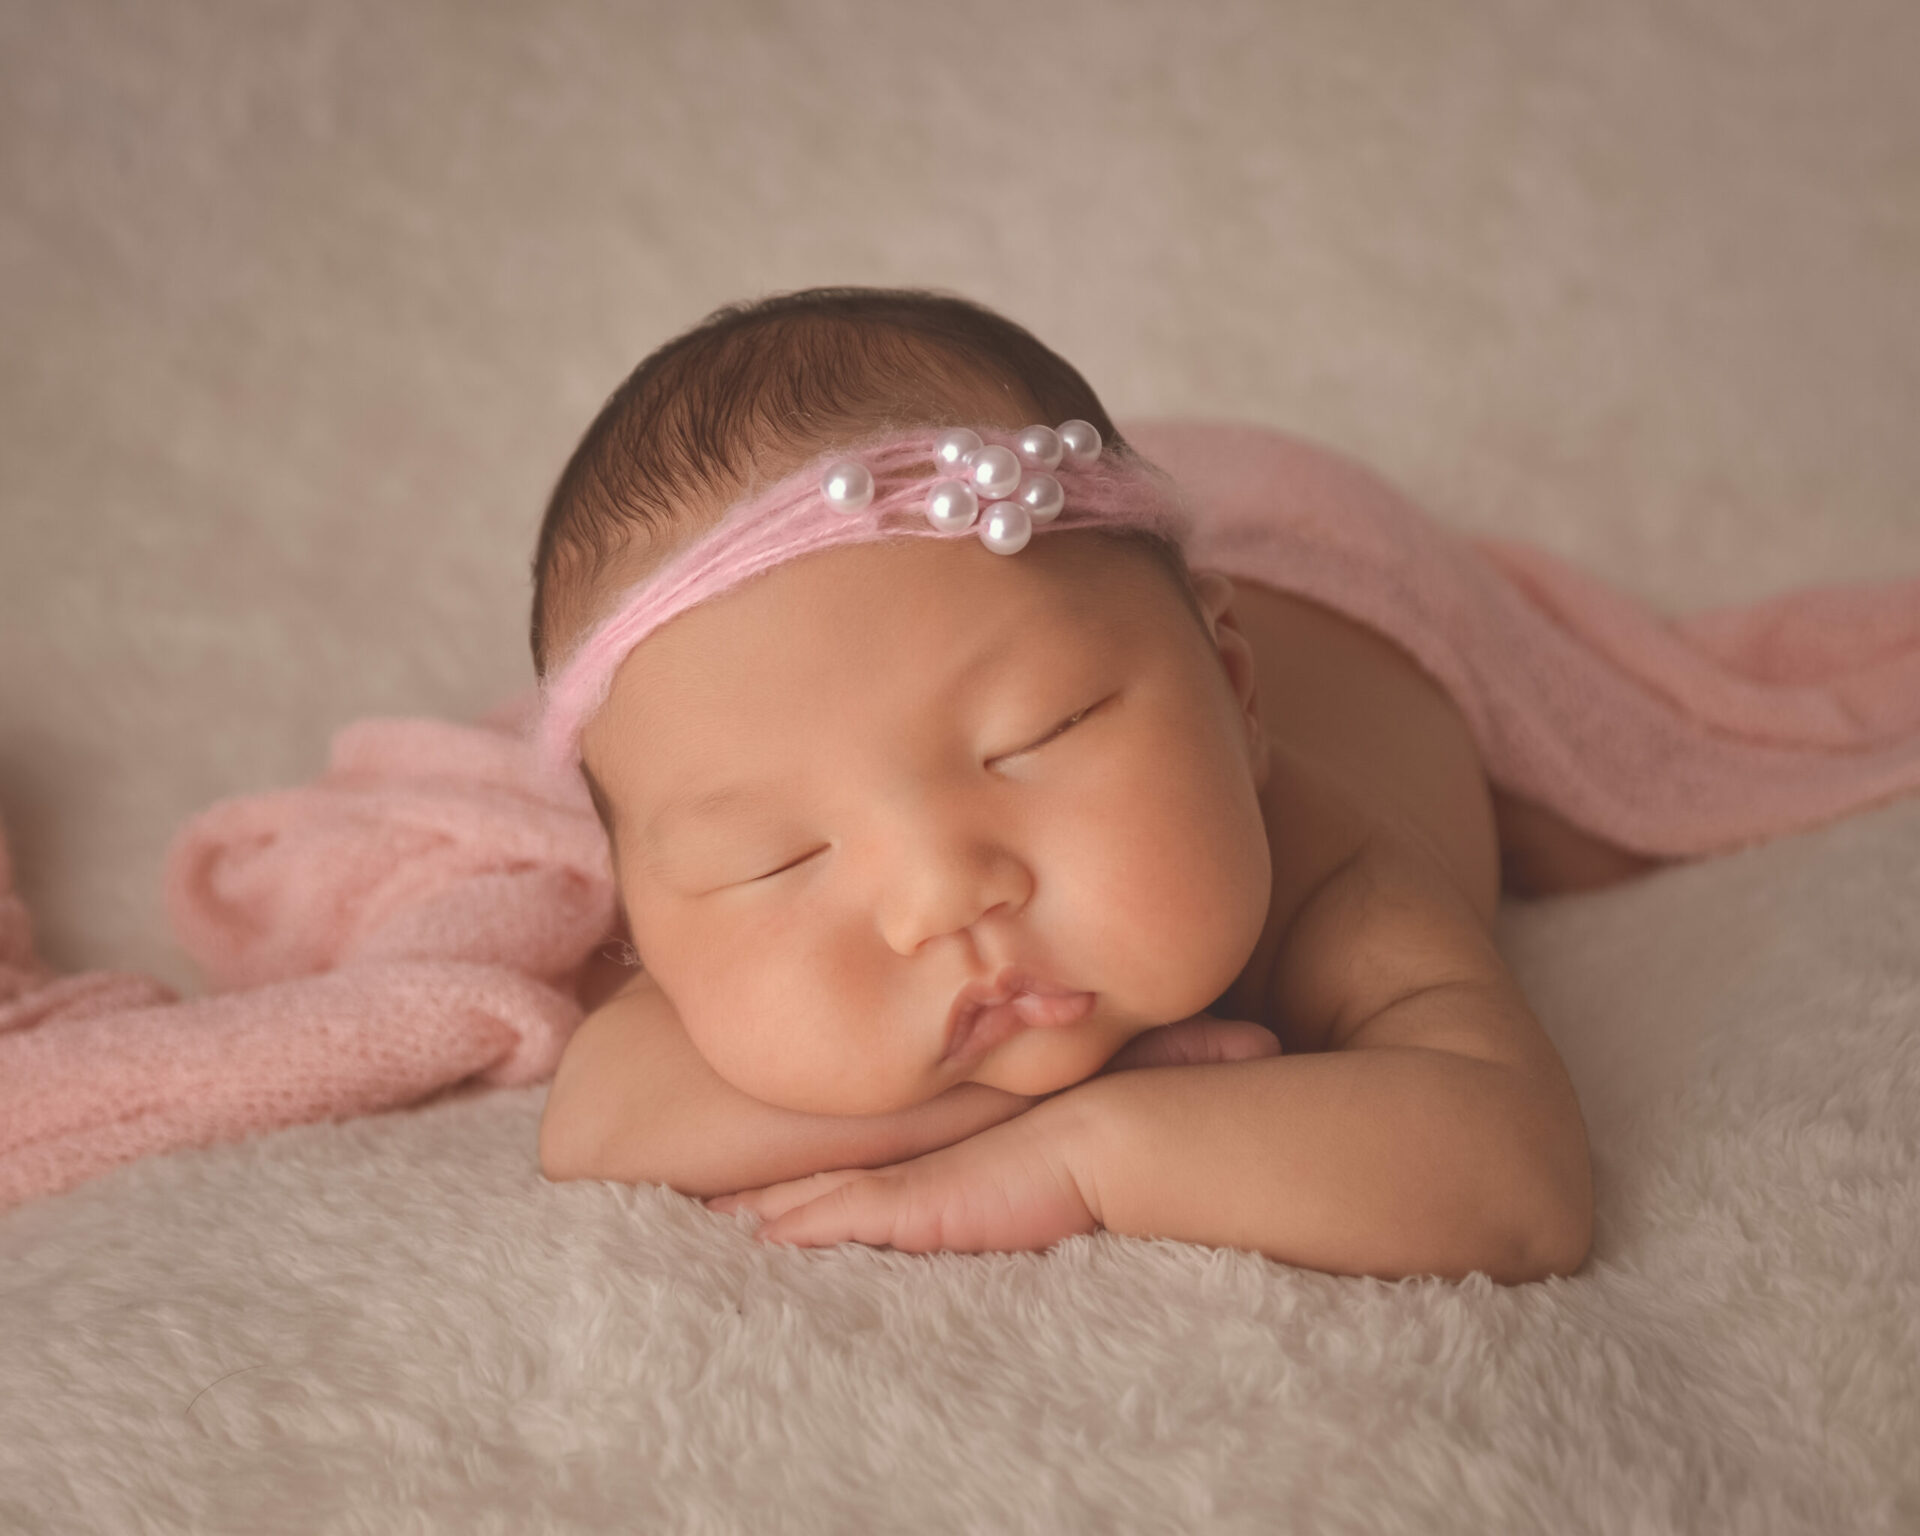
1420 1124
634 1100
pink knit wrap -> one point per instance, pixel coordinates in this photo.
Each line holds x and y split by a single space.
791 519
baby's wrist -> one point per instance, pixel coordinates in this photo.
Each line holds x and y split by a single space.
1073 1123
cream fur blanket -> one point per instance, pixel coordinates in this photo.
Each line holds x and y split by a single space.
304 307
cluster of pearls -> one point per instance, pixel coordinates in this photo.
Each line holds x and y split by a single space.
1008 491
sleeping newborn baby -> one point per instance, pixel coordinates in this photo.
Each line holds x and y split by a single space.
992 877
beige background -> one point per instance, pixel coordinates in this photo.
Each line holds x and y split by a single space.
306 304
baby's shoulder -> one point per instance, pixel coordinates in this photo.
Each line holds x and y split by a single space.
1390 922
1365 746
1365 908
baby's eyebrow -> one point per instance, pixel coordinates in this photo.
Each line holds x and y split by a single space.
703 806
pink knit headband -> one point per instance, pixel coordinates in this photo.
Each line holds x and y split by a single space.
959 484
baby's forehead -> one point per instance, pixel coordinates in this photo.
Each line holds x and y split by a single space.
878 604
874 633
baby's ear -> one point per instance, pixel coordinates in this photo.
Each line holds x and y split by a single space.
1214 593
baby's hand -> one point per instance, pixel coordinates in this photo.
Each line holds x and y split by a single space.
1014 1187
1194 1042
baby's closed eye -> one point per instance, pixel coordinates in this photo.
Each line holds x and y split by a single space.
1063 727
771 868
1058 731
792 863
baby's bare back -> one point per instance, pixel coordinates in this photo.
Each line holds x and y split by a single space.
1366 745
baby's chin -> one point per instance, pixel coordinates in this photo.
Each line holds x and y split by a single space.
1037 1062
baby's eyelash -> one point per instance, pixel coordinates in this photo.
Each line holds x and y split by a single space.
1065 725
790 864
1061 729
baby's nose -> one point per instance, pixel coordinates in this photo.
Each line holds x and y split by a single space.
940 884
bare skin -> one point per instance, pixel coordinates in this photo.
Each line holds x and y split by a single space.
1375 743
1346 706
1416 1087
1405 1114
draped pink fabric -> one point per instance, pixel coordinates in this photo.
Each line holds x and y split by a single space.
1674 738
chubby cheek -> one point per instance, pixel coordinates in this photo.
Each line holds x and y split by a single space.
779 1014
1180 881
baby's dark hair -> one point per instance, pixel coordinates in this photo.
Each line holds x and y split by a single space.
757 388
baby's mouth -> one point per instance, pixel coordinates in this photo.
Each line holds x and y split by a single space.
984 1016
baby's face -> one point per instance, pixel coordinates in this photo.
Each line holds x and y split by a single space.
846 789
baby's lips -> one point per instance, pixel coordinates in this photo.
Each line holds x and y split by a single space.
989 1026
1038 1012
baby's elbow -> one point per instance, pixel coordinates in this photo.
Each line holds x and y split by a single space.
1558 1246
578 1140
1547 1201
566 1149
1548 1235
558 1158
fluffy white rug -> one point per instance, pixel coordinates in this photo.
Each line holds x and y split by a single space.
396 1325
303 307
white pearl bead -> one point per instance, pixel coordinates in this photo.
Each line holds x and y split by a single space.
1039 447
1006 528
1081 439
952 506
949 448
847 486
1042 496
995 472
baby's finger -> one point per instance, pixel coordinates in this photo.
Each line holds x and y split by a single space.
874 1210
775 1200
1237 1040
1192 1042
857 1212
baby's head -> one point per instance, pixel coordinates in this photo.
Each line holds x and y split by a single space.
845 790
